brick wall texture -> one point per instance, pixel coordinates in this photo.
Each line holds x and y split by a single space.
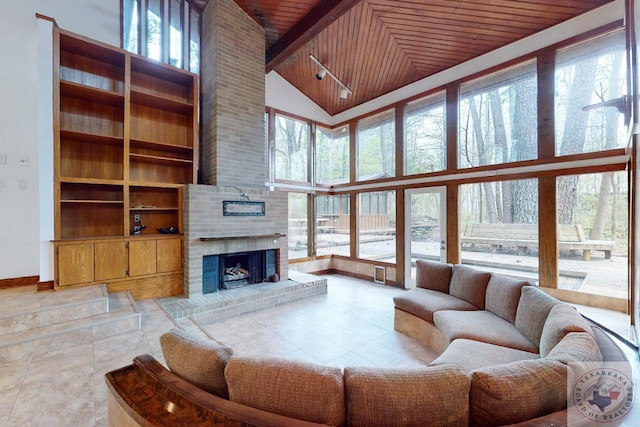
233 91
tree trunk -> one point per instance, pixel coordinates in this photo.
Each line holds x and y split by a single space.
492 215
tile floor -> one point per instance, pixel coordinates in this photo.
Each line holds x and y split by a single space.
351 325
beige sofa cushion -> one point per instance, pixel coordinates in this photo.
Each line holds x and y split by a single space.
433 275
533 308
518 391
561 320
503 295
469 284
199 361
424 302
430 396
294 389
470 355
576 347
481 325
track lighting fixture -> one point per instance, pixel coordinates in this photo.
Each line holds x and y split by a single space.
344 91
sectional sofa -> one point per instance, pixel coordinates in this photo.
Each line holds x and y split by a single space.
505 349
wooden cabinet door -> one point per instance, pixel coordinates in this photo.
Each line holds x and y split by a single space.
142 257
75 264
111 260
169 255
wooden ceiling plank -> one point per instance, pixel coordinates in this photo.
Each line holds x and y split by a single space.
319 18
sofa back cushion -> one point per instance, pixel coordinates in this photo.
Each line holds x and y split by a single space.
576 347
517 391
503 295
561 320
294 389
430 396
469 284
533 308
433 275
199 361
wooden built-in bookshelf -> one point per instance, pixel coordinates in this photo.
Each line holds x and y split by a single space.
125 143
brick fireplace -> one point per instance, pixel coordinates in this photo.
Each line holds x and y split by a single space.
233 152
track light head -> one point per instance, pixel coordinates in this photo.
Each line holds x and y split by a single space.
321 74
343 93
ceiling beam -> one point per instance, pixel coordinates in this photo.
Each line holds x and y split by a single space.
318 18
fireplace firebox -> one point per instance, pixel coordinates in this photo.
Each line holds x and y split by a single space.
229 271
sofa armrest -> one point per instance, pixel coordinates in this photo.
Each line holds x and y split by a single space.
152 395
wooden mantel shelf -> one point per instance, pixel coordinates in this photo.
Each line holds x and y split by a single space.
261 236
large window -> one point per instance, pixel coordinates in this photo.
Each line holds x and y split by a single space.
425 135
590 85
168 34
498 118
499 226
292 149
377 225
376 146
593 234
332 155
298 236
332 225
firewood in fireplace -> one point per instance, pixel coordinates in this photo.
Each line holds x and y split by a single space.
237 270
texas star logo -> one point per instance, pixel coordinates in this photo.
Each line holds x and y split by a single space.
604 395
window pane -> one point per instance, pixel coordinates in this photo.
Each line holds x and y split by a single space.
499 225
175 34
587 74
377 232
292 146
130 9
425 135
376 146
154 30
332 231
298 227
194 43
593 233
332 155
498 118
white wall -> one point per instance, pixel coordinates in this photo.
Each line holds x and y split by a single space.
21 59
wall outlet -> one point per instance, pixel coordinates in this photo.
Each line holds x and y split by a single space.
3 159
136 217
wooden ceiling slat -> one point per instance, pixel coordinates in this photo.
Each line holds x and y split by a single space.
377 46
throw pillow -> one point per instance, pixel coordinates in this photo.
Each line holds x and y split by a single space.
199 361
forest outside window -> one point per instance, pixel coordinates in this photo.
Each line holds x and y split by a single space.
332 155
164 30
376 146
377 226
298 236
425 135
332 225
589 74
291 149
499 225
498 118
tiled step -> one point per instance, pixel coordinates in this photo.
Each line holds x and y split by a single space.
121 316
29 310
